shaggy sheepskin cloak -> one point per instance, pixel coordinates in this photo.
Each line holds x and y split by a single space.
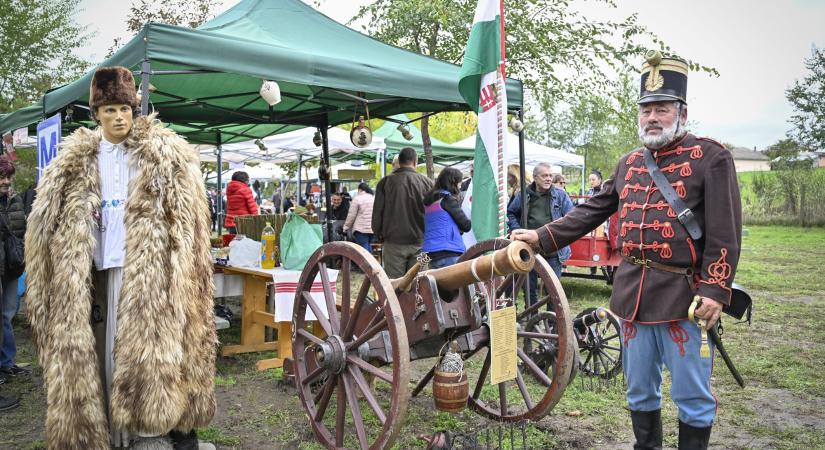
165 348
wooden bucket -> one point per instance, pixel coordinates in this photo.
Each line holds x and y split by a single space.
450 391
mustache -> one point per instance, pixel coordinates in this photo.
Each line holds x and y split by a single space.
654 127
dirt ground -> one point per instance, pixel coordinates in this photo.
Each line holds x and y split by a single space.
780 357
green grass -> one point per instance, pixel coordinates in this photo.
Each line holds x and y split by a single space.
783 261
217 436
780 356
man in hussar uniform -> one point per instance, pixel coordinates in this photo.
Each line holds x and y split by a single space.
663 267
120 282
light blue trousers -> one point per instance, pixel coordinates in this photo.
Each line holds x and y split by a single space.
646 348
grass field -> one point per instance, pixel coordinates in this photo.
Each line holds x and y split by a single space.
780 356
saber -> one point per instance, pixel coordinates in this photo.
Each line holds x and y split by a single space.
713 335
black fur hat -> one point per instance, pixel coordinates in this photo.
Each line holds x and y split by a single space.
112 86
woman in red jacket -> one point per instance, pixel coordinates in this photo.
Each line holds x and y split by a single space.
239 200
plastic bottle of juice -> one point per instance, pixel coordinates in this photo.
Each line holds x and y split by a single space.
268 247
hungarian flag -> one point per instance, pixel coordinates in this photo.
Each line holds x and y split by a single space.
482 86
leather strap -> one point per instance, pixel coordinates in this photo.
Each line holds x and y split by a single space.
683 213
686 271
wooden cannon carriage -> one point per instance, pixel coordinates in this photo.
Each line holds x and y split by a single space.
353 376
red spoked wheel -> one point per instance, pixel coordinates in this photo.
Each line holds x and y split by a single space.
536 389
342 383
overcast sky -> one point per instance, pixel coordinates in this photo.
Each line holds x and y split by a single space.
758 47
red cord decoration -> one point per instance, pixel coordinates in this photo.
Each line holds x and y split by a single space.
628 331
679 335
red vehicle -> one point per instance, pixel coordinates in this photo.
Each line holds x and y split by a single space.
598 250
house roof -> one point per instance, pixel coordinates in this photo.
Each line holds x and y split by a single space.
746 154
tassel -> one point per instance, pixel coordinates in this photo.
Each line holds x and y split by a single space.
665 251
667 231
670 212
624 192
680 190
704 349
685 172
696 153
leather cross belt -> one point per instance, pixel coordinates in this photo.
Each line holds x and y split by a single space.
686 271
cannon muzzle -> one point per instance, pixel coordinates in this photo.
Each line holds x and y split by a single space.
517 257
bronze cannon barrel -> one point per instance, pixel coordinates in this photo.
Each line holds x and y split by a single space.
517 257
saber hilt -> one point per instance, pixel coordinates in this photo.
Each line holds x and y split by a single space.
711 333
704 349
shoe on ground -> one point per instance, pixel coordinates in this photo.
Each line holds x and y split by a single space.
14 370
7 403
2 378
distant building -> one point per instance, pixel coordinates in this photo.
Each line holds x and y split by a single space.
747 160
816 159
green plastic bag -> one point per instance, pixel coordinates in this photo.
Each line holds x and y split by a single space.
299 240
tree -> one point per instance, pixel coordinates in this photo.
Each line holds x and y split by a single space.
38 39
600 127
557 52
185 13
808 100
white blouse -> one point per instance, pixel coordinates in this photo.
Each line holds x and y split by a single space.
115 173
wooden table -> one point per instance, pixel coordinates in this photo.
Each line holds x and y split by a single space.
255 317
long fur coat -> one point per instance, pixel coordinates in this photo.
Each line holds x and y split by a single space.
165 348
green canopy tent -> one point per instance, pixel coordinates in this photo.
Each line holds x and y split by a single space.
206 80
442 151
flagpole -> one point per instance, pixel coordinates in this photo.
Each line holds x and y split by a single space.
501 110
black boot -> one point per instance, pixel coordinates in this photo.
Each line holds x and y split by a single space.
647 427
184 441
7 403
692 438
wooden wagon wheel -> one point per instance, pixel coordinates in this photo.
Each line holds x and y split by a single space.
334 372
527 397
600 347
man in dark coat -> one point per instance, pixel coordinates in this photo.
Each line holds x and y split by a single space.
398 214
663 267
545 203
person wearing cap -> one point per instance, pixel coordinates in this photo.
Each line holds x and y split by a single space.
120 282
663 268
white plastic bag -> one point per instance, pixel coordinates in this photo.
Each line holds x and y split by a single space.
245 253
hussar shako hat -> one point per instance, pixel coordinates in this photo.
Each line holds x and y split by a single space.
663 79
112 86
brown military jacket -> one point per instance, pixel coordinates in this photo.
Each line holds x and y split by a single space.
703 174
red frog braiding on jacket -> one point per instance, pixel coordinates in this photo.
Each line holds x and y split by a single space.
649 229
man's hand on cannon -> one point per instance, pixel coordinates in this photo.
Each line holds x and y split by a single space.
528 236
710 310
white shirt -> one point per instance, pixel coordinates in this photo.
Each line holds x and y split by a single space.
115 173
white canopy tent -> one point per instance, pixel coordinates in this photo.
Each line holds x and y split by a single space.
288 147
283 148
534 153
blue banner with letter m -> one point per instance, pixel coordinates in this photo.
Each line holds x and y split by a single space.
48 136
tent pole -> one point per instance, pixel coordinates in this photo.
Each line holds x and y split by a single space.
522 190
144 87
521 163
325 163
298 186
219 199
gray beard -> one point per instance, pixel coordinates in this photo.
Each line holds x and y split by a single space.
668 135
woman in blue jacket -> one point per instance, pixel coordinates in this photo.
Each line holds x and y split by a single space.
444 221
